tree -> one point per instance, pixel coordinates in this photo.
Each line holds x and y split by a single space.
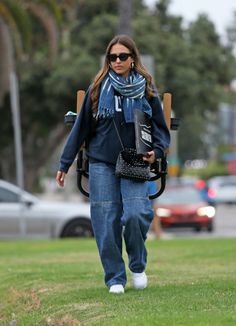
213 65
193 65
231 31
16 24
190 62
14 20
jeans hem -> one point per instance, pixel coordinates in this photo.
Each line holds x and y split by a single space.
138 271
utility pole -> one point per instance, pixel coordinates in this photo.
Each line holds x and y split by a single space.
15 108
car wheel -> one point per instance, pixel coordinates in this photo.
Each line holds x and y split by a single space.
210 227
198 228
79 228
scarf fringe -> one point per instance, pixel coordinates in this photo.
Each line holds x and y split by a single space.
104 113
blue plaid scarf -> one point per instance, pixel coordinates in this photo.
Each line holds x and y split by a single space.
133 91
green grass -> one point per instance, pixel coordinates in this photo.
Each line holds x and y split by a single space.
60 283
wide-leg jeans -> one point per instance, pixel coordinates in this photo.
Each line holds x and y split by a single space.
119 207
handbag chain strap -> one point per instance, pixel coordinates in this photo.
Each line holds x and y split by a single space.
122 145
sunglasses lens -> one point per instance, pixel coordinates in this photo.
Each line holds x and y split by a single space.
112 57
121 56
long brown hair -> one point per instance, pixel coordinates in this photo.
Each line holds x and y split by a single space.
138 66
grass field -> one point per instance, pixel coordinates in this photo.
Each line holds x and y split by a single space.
60 283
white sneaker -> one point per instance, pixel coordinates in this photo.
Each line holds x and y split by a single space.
139 280
117 288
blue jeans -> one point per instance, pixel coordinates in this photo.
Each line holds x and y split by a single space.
119 207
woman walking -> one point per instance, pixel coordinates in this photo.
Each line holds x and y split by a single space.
120 208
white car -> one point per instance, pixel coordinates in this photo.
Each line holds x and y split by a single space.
224 188
23 215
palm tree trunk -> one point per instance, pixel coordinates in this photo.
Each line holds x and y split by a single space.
6 62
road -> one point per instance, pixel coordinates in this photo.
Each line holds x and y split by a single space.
225 222
225 226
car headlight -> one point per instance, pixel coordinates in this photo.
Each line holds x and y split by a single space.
163 212
208 211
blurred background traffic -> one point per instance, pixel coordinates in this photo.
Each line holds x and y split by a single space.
50 49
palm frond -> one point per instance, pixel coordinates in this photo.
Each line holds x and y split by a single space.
49 23
22 19
9 19
52 7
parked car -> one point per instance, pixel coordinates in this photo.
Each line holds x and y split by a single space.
22 215
224 188
184 206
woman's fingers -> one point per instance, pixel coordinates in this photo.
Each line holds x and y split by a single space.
60 178
149 157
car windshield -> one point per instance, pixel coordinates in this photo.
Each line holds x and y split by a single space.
7 196
222 181
179 196
10 193
228 183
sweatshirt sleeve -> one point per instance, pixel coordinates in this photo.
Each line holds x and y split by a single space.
78 134
160 132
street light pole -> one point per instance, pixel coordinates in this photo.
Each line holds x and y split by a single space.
15 108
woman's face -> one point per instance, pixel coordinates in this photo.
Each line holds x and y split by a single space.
119 66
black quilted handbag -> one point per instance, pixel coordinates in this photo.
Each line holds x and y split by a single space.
130 165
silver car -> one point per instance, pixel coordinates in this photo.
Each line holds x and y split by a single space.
224 189
23 215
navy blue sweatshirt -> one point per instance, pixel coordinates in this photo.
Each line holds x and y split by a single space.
103 144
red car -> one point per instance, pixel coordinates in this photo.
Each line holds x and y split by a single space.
184 206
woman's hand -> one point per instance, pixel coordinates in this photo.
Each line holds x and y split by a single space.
149 157
60 178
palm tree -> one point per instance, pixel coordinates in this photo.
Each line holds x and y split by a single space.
15 39
16 33
8 27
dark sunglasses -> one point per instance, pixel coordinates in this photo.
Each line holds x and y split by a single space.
121 56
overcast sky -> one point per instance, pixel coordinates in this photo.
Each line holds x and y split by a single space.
220 12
